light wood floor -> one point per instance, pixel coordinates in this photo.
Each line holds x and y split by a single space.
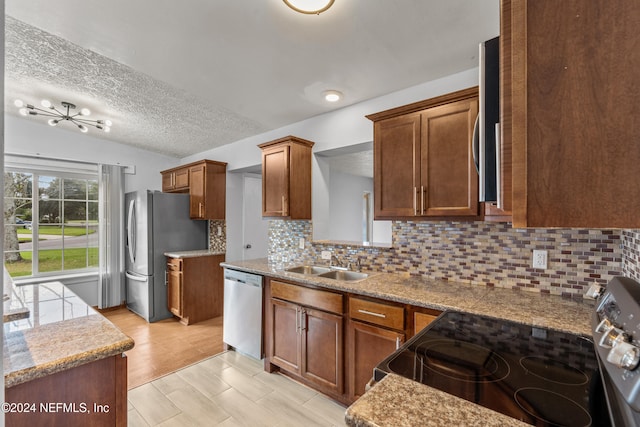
230 390
165 346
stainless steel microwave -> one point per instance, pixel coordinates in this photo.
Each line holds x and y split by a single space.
486 135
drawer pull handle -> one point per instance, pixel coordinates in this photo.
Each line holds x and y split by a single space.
371 313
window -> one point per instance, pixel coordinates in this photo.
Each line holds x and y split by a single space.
51 222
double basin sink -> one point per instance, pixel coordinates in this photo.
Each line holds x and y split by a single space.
328 273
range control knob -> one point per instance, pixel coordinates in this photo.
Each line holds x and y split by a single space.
604 326
624 355
613 336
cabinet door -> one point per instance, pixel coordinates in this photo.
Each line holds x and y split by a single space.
174 290
322 348
275 181
575 166
396 162
422 320
285 335
448 179
181 179
197 192
367 346
167 181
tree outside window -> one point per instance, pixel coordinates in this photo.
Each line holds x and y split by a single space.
51 223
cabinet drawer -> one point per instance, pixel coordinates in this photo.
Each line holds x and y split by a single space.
377 313
323 300
174 264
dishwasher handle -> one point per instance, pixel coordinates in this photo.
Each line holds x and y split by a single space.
244 278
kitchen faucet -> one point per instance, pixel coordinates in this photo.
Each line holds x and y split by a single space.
339 265
344 265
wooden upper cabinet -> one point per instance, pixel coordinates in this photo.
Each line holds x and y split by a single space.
175 180
286 178
448 177
208 190
423 161
205 181
396 165
575 129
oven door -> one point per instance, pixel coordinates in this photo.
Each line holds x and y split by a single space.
619 411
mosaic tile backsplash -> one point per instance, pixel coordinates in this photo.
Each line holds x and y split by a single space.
491 254
631 254
217 243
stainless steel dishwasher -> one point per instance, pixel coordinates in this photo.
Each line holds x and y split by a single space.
242 323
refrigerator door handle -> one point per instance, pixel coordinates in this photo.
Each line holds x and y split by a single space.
131 232
136 278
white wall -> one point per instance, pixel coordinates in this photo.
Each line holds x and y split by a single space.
30 136
340 128
233 216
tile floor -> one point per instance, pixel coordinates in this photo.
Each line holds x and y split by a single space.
229 390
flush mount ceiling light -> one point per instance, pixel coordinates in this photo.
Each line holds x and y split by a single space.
58 116
332 95
309 7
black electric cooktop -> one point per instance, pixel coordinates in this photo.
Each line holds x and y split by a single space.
539 376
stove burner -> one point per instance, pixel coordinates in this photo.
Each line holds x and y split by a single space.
461 361
553 370
552 408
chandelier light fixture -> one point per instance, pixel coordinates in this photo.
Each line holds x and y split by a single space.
66 114
309 7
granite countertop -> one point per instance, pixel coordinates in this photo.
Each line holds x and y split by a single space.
530 308
60 333
192 254
397 401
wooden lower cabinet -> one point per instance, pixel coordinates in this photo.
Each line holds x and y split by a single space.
367 345
286 339
309 343
174 286
422 317
304 335
322 346
93 394
195 288
332 341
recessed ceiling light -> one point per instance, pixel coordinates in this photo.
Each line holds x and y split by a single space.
309 6
332 96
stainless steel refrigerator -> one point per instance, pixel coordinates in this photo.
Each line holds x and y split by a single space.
156 223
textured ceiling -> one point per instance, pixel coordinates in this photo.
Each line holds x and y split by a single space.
179 78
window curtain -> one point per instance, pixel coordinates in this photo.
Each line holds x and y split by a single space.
111 290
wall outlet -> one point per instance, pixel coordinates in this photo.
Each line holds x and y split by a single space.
540 259
219 231
301 243
326 255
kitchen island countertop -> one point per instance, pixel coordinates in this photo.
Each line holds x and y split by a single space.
398 401
60 333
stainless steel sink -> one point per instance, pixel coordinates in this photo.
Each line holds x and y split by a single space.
348 276
312 270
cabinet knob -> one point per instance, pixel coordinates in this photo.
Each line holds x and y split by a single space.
247 246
